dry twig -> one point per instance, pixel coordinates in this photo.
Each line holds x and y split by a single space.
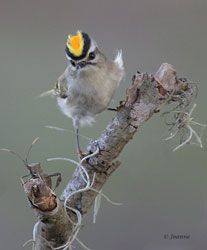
60 219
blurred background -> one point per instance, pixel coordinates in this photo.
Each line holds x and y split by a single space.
162 192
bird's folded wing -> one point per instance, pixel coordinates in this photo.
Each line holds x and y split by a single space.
60 88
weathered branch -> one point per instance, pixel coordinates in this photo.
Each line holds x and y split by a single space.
146 96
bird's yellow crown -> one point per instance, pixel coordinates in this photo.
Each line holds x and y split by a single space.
75 44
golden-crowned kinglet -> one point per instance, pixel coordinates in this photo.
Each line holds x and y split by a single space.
89 81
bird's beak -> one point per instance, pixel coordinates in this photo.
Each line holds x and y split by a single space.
80 65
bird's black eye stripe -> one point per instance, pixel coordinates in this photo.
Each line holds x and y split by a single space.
91 55
72 63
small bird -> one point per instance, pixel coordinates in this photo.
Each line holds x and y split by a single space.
88 84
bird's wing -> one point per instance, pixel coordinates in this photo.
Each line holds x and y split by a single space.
60 88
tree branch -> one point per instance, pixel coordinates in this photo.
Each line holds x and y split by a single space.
146 96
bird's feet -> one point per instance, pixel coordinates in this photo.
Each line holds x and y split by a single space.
81 155
86 155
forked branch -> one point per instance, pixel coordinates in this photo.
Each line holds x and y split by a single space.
59 224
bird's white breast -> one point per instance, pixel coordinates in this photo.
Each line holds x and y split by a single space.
91 91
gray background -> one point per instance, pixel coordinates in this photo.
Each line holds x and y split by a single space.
162 192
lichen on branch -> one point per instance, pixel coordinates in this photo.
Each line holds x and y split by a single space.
147 94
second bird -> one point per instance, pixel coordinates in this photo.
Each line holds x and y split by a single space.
89 81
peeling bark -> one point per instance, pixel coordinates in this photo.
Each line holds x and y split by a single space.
146 96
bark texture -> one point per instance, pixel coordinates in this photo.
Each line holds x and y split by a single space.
144 97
